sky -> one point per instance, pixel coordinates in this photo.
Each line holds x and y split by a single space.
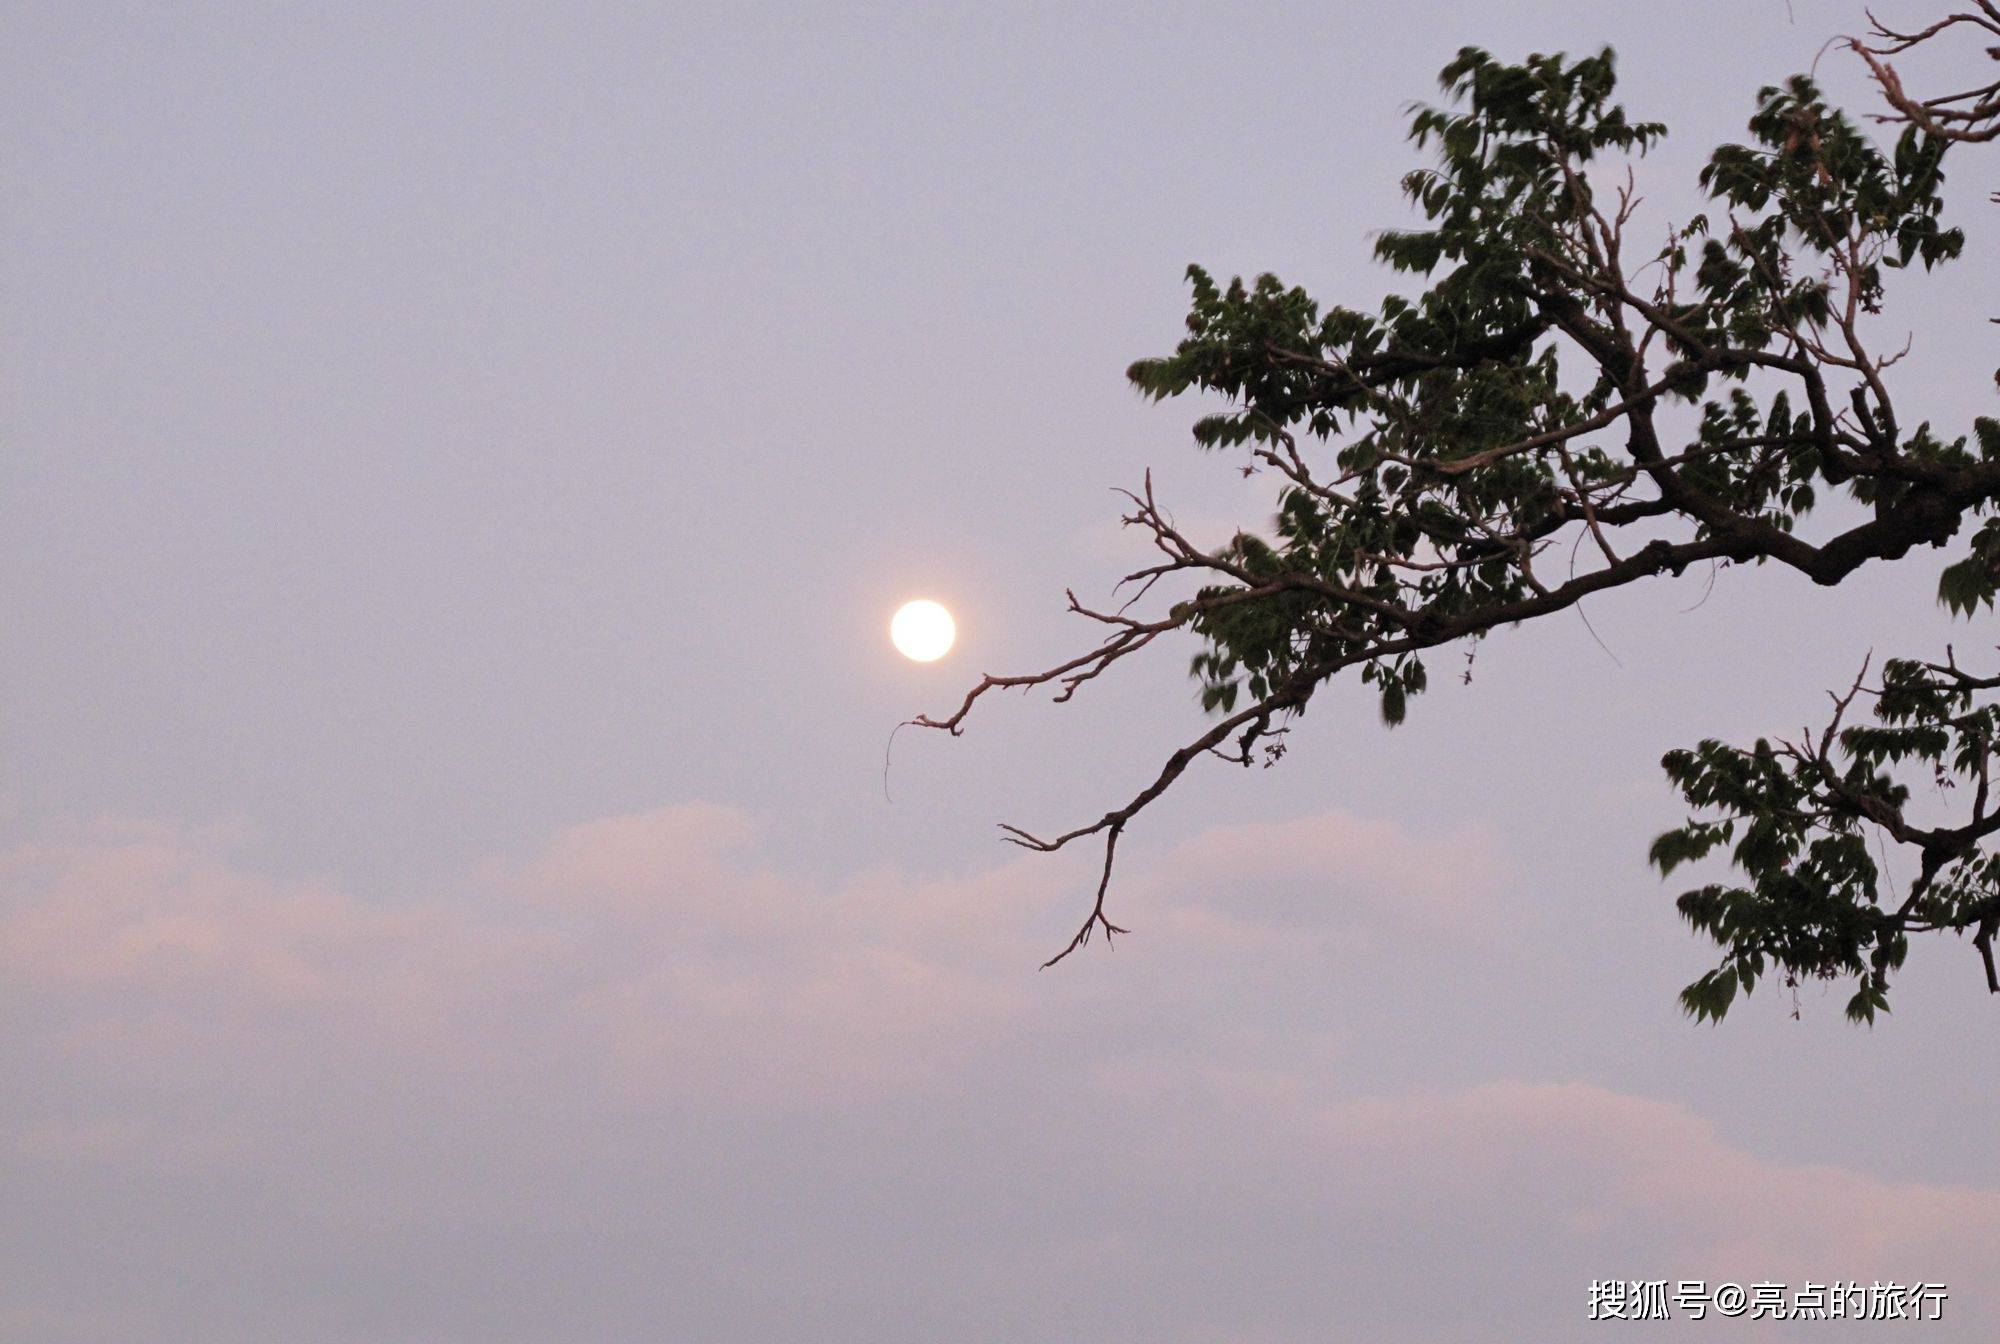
459 464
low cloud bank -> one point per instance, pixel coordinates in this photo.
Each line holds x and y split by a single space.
644 1085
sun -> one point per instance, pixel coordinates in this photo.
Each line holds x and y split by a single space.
922 630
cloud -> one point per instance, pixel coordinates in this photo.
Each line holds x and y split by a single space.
643 1084
1369 879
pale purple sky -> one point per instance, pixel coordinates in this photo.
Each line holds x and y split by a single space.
459 463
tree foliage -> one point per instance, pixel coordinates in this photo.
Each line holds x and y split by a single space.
1553 409
1797 819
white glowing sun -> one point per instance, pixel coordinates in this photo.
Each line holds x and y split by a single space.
922 630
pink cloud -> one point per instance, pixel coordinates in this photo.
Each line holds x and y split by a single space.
651 975
1365 879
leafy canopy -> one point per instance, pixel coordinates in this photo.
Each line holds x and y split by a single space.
1557 411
